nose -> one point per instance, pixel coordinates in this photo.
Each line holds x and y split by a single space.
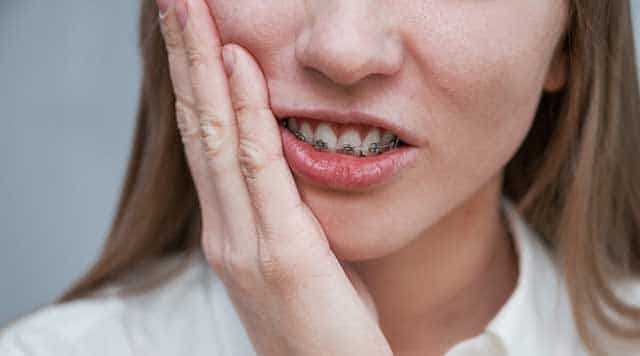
347 41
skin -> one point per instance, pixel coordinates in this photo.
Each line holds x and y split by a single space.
416 265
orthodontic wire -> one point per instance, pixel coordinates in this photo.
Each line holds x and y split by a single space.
320 145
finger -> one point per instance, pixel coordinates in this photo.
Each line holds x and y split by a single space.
212 107
271 186
187 122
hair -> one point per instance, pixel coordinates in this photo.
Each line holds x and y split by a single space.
574 178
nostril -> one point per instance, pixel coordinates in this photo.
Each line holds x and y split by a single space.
345 49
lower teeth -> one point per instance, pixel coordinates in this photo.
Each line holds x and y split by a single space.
374 149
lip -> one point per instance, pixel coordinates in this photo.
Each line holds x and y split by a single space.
405 134
344 172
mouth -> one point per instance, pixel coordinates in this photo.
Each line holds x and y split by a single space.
345 152
350 139
353 133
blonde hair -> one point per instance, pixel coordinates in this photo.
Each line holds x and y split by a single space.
574 178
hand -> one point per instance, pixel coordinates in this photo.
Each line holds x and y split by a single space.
292 294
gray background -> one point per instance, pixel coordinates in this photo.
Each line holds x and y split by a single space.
68 88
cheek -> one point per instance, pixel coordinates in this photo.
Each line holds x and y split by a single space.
484 80
260 26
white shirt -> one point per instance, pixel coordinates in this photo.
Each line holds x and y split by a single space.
193 315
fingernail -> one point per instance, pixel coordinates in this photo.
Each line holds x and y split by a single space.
181 13
229 60
163 6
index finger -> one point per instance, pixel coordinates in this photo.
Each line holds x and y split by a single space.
216 117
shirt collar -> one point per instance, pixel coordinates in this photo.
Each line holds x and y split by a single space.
537 306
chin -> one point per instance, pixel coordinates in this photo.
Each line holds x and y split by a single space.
360 227
353 246
379 223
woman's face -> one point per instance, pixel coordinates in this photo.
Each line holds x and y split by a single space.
464 75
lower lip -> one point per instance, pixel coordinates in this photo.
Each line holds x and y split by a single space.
341 171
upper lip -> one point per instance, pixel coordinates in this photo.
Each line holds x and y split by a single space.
405 134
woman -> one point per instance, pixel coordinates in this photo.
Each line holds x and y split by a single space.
371 178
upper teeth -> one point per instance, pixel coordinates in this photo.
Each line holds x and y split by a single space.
349 140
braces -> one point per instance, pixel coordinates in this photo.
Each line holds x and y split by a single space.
321 145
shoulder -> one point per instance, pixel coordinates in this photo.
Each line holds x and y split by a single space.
166 320
55 329
628 289
628 292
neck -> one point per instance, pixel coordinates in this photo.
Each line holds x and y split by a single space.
449 282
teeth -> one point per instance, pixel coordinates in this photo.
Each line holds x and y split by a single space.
306 132
349 142
325 138
387 137
292 124
373 137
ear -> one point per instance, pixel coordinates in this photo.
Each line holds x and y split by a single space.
558 71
